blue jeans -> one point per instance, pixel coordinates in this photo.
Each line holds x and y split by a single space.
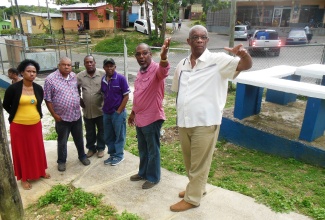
149 151
93 136
115 133
63 129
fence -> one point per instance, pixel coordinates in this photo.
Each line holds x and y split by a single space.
49 53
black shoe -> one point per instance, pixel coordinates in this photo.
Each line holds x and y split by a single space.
148 185
61 167
85 161
136 177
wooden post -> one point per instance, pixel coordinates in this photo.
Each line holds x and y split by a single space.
11 206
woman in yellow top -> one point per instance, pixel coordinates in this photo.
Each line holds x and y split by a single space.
23 101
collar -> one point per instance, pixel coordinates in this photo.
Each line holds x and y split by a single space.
96 73
113 77
203 58
69 77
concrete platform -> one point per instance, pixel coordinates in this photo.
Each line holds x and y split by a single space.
275 130
153 203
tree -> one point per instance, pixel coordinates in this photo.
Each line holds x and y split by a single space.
11 206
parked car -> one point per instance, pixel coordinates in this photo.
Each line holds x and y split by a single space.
141 25
296 36
264 42
242 32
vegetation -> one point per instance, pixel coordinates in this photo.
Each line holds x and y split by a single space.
115 45
68 202
282 184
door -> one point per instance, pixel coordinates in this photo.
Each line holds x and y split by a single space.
276 20
86 21
29 27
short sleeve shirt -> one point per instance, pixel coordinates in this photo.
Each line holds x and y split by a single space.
114 91
63 94
91 93
202 90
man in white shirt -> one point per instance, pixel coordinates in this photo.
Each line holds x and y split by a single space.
201 81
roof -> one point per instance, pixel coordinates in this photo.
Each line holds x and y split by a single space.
81 6
44 15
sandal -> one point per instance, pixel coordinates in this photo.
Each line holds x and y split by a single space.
47 176
26 185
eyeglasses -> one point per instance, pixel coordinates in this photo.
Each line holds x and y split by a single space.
196 38
142 54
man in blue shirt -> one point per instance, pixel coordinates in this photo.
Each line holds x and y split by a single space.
116 91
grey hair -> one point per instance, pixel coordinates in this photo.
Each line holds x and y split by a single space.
64 59
197 27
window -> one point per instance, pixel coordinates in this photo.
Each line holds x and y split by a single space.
78 16
71 16
33 21
107 15
4 27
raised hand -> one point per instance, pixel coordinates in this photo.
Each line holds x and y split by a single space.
164 48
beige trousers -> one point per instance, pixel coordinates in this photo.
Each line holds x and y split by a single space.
198 144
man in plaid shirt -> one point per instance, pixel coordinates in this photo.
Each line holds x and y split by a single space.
63 101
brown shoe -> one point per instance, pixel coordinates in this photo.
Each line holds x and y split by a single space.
182 206
100 154
182 194
136 177
148 185
90 153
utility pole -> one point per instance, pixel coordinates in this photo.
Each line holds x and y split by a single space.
48 16
232 23
19 18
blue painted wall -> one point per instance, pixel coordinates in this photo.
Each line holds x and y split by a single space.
4 81
253 138
133 17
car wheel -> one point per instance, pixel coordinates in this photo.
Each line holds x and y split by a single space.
277 53
145 31
135 28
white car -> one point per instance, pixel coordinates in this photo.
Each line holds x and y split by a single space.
141 25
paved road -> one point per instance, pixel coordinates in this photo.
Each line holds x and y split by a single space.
296 56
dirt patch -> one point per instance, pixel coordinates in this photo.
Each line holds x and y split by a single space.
170 135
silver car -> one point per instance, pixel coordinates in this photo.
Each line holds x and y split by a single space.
242 32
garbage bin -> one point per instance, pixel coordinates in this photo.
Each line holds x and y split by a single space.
76 65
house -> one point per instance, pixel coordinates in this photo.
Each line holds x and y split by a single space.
37 23
94 17
5 25
196 11
137 11
293 13
271 13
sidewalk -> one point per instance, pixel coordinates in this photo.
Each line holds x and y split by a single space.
119 191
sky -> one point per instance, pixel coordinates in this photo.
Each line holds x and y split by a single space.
29 2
